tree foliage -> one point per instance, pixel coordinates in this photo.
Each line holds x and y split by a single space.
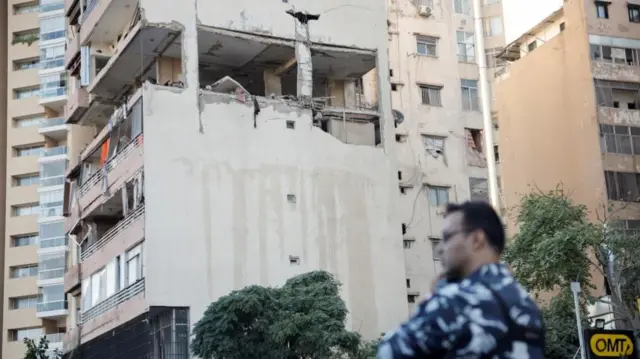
556 244
40 350
305 318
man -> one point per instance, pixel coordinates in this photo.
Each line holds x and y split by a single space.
477 310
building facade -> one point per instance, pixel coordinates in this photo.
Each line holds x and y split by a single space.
434 82
580 70
235 145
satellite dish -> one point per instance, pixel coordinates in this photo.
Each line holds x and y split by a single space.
398 116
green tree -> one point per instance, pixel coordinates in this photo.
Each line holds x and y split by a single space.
39 351
556 244
305 318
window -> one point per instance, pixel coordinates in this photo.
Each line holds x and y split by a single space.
23 302
435 242
26 92
52 28
52 234
133 265
532 45
462 7
469 90
29 151
493 26
26 37
27 121
496 154
26 8
411 298
26 64
51 203
407 243
620 139
431 95
24 271
53 56
53 85
492 57
438 196
25 210
24 240
52 265
479 189
562 27
629 227
26 180
427 45
602 9
618 55
634 13
433 144
18 335
622 186
53 173
466 46
423 3
613 93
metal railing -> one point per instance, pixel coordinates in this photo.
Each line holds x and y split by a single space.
110 165
49 306
113 301
50 122
51 273
54 151
112 233
53 242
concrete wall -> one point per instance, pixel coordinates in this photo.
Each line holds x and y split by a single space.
232 224
270 18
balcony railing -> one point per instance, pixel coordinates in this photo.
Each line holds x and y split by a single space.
51 63
52 211
49 306
113 301
53 92
51 5
47 274
110 165
55 338
54 151
91 4
50 122
53 242
52 35
112 233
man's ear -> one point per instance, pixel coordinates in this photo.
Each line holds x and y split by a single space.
478 240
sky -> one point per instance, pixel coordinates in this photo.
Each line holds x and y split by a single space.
522 15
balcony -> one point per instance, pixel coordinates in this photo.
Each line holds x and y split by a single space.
54 151
51 5
615 71
118 170
73 50
54 128
102 16
53 97
53 309
113 301
82 106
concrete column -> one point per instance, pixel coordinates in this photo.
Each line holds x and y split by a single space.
336 92
272 83
349 94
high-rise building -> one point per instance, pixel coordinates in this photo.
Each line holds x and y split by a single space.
37 153
569 107
238 143
440 143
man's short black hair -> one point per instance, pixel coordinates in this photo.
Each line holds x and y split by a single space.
480 215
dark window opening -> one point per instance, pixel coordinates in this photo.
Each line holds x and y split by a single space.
634 13
562 27
602 9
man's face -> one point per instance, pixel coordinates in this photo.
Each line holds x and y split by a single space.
455 247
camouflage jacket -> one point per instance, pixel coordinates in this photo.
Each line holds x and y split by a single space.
487 315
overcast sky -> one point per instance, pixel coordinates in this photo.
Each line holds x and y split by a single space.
522 15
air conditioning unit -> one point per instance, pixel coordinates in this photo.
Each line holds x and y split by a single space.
424 11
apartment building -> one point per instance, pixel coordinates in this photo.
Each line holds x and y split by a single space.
236 145
440 146
569 108
39 146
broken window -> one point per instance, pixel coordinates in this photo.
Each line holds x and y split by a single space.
469 90
434 248
466 46
608 93
628 227
431 95
622 186
532 45
496 154
427 45
434 144
634 13
438 195
475 148
479 189
618 55
602 9
620 139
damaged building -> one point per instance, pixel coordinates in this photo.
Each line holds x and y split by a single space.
233 145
